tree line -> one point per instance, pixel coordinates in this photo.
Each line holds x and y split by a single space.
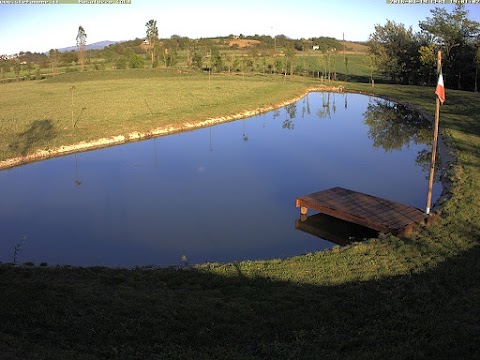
406 57
267 54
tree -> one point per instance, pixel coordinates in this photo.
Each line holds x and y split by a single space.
54 55
454 33
121 62
197 60
254 56
396 49
325 43
152 37
289 59
172 57
450 29
428 60
216 61
16 69
136 62
68 58
109 55
29 67
372 63
81 42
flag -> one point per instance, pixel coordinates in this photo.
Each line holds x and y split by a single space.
440 90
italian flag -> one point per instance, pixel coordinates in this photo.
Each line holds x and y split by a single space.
440 90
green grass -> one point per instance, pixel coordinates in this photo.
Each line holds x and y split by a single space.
358 68
38 115
389 298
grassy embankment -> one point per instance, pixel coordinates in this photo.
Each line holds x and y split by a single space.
38 115
388 298
86 106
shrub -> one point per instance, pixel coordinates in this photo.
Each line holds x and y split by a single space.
121 63
136 62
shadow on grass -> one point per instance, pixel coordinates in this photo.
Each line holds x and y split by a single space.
239 313
470 152
40 132
355 78
79 117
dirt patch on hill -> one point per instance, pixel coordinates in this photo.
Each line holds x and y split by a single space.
355 48
243 43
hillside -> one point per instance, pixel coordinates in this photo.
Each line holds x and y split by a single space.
355 47
95 46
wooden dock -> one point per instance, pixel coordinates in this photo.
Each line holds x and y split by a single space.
363 209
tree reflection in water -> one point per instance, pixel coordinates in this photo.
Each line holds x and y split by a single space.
393 126
291 110
324 111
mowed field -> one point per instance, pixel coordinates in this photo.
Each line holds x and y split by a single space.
38 114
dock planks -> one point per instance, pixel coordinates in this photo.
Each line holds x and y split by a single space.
370 211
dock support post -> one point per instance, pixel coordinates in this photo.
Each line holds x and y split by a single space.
303 210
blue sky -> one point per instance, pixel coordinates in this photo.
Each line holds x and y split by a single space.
38 28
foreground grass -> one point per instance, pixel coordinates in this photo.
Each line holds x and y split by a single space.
388 298
38 115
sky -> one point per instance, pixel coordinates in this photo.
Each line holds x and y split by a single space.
39 28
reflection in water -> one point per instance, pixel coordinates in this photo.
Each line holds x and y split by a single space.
424 160
275 114
211 144
288 124
244 134
337 231
291 112
327 107
155 152
306 107
77 177
234 203
392 126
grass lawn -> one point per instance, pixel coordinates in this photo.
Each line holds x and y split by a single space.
389 298
37 115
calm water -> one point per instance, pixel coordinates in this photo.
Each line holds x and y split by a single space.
219 194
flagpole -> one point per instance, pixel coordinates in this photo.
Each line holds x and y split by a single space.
435 141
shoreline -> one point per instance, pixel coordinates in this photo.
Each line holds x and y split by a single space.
82 146
446 156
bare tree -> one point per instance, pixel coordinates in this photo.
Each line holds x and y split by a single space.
81 42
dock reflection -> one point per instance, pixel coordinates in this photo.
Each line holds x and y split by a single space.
336 231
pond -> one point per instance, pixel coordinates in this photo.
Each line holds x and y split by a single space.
217 194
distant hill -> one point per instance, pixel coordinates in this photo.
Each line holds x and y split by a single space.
95 46
355 47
